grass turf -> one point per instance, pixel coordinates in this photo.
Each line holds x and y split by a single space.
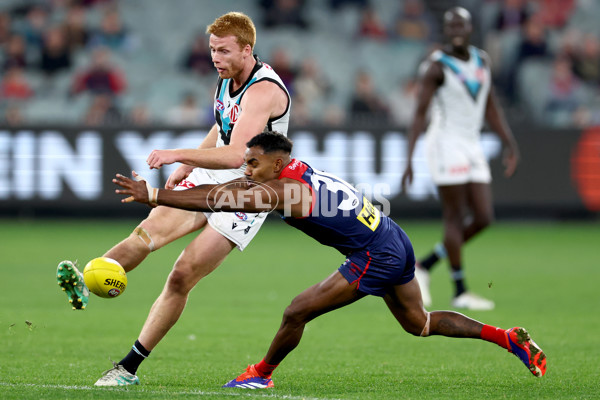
543 276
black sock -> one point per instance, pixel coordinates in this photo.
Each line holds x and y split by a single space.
438 252
429 261
132 361
458 277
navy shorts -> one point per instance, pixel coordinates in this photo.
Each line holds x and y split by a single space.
381 266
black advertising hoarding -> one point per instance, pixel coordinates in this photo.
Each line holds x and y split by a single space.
68 171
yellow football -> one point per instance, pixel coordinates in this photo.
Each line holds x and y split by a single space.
105 277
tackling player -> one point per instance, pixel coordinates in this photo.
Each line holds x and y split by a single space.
379 255
250 97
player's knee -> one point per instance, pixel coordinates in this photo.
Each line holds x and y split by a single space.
294 315
179 281
418 326
482 221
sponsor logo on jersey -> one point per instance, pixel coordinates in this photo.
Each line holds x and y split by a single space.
234 113
219 105
233 226
241 215
247 230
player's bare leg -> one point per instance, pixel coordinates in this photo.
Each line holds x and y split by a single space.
202 256
455 202
479 197
404 301
328 295
162 226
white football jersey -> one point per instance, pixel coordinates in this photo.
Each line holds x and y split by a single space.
227 107
458 107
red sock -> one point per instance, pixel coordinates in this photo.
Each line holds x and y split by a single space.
265 370
494 335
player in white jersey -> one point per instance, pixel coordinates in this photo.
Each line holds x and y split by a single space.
456 82
251 97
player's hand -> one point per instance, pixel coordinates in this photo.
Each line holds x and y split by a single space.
510 161
158 158
138 190
182 172
407 178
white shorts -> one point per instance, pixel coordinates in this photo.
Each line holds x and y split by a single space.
239 227
456 162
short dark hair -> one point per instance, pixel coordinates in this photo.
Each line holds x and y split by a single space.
271 141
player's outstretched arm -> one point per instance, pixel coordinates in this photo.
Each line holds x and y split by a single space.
289 197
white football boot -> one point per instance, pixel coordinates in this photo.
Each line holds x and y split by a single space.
471 301
117 376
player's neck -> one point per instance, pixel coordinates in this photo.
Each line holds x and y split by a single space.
460 52
240 79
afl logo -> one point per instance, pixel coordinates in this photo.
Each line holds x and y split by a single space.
234 113
241 216
219 105
114 292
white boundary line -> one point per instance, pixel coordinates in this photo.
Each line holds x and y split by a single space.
224 392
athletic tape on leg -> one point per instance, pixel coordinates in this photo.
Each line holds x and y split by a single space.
425 331
144 237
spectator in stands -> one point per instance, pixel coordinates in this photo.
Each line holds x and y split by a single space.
56 55
6 31
15 55
403 102
14 85
139 115
555 13
198 59
112 33
76 32
187 113
281 62
310 83
366 105
564 93
533 45
101 77
34 25
102 111
371 26
414 22
283 13
512 15
586 63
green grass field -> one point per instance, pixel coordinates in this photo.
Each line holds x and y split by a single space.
543 276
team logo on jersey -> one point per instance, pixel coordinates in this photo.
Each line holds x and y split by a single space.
241 215
234 113
186 184
219 105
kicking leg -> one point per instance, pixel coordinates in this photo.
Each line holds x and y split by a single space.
404 301
162 226
200 257
328 295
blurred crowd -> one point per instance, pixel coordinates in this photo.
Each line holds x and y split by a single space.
546 62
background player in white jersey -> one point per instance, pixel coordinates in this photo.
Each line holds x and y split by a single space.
251 97
456 81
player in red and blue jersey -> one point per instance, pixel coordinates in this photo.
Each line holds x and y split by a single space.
379 256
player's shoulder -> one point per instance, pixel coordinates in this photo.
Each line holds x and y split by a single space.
482 54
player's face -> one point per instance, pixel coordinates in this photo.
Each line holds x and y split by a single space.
227 56
261 167
457 29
